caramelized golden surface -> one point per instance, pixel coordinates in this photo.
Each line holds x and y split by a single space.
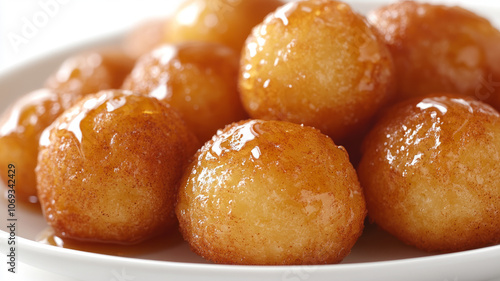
430 172
20 129
271 192
228 22
441 49
109 167
198 79
317 63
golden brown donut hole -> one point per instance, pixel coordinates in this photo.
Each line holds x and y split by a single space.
441 49
20 129
271 192
221 21
317 63
197 78
430 173
109 167
24 122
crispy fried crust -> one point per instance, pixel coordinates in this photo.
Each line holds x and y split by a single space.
109 167
271 192
441 49
316 63
430 173
20 129
197 78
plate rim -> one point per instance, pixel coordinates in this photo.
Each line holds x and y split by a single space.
35 246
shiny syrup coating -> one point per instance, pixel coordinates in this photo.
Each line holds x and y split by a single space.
90 72
318 63
20 128
108 168
441 49
430 173
271 192
199 79
228 22
22 125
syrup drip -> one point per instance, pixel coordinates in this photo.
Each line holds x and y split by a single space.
159 243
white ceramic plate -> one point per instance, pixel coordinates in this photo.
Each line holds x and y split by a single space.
376 256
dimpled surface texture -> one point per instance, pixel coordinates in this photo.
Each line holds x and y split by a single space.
222 21
198 79
271 192
316 63
430 172
20 129
108 168
441 49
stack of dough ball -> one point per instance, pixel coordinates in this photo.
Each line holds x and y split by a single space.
271 192
89 73
317 63
441 49
20 129
223 21
199 79
109 167
145 38
430 172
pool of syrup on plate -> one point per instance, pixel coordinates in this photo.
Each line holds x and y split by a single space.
158 243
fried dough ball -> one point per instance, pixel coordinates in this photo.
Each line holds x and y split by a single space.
271 192
20 129
441 49
90 72
316 63
223 21
198 79
145 38
22 125
109 167
430 173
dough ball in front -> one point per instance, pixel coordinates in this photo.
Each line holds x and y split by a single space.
271 192
430 173
108 168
